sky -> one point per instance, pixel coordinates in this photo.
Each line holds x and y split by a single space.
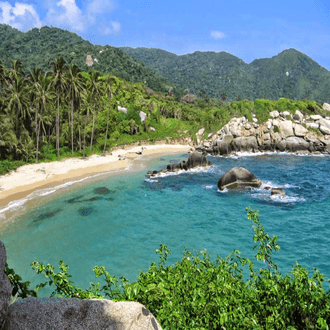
246 29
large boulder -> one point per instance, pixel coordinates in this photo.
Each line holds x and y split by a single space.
143 116
298 116
223 146
286 128
122 109
189 98
299 130
326 106
278 191
238 177
5 286
196 159
79 314
294 144
89 60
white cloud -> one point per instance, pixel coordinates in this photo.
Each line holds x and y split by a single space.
20 16
66 14
217 35
63 14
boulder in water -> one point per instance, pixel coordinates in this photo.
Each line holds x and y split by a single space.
237 178
278 191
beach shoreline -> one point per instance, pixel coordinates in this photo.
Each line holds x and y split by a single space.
29 178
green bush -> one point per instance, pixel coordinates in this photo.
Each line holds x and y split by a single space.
198 294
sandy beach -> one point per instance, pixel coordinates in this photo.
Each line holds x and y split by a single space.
29 178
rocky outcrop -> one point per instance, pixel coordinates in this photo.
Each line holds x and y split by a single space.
78 314
5 287
69 313
278 191
283 132
195 159
189 98
89 60
122 109
143 116
238 178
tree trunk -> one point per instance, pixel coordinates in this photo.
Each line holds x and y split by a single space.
106 133
92 131
38 133
84 139
72 126
36 129
58 126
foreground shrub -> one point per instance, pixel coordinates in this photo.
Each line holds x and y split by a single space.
197 294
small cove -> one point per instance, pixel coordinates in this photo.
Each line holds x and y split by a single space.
118 221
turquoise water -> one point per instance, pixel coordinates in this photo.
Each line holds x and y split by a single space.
119 221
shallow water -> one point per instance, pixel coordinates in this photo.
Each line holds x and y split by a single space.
119 221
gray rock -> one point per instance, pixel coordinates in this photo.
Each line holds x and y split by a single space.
324 122
196 159
122 109
312 125
281 145
278 191
237 178
143 116
5 286
152 129
274 114
294 144
326 106
286 128
316 117
201 131
299 130
285 113
223 146
298 116
79 314
324 129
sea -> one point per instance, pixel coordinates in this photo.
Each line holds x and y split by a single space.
118 220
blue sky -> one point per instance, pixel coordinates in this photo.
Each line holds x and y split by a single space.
246 29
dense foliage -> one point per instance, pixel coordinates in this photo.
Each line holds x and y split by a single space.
68 112
41 47
290 74
198 294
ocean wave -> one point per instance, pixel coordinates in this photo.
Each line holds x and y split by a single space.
278 198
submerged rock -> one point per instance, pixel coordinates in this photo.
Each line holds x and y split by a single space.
238 178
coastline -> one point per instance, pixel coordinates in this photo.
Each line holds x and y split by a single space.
47 175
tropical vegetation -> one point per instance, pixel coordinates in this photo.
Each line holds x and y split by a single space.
198 294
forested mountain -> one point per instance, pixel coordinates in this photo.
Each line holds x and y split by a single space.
40 47
290 74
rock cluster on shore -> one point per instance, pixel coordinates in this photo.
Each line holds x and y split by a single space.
283 132
195 159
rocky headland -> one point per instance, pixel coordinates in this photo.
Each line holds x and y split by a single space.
283 132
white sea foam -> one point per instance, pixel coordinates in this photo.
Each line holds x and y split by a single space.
278 198
240 154
194 170
150 180
208 187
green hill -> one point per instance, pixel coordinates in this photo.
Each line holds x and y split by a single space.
290 74
42 47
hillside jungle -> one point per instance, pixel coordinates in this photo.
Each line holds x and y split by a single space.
71 113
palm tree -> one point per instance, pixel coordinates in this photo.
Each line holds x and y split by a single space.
87 98
34 77
3 76
8 138
95 88
43 95
17 102
108 80
61 86
76 81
